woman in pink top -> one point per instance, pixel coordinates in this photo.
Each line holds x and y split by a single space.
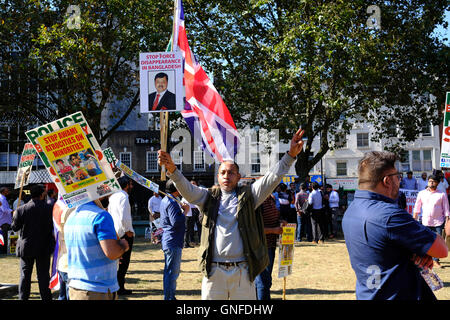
434 206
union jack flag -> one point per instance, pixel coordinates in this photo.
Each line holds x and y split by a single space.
54 280
2 240
205 112
57 211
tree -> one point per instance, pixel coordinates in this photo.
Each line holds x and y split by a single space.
322 66
77 58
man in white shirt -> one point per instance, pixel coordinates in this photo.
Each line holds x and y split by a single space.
154 203
443 184
5 217
120 210
333 201
189 224
318 221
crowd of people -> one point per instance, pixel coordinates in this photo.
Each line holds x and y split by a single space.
91 244
237 231
313 208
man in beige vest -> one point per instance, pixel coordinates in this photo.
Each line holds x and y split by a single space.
233 247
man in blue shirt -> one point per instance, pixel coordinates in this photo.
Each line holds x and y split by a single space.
409 183
385 244
173 225
92 248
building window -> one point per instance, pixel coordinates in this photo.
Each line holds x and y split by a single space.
177 157
199 161
404 165
256 163
152 161
341 168
427 161
341 142
392 130
362 140
421 160
416 162
125 158
426 131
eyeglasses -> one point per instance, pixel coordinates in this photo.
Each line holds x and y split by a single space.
398 174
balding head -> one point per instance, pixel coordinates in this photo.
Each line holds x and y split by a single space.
228 175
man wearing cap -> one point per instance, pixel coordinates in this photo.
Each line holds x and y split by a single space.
409 183
435 208
173 224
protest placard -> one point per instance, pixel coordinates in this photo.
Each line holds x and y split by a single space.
286 250
286 253
25 166
12 242
74 159
161 81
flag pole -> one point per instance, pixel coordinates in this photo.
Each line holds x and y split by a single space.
163 130
21 189
164 116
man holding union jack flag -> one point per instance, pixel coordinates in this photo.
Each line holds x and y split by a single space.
233 247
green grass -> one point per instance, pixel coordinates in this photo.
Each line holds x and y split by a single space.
320 272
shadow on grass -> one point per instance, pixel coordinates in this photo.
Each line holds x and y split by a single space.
142 293
159 261
311 291
145 271
139 280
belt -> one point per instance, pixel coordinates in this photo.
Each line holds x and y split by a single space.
230 264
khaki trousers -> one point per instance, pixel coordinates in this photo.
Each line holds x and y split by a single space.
77 294
228 283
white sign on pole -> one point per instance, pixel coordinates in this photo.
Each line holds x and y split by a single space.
161 81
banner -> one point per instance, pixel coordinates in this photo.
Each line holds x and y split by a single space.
25 165
74 159
286 250
411 196
445 146
161 81
137 177
348 184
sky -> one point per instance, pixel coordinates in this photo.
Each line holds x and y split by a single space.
442 32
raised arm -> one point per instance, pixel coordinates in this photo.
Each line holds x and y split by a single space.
193 194
265 186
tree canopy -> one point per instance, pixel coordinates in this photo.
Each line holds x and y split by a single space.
57 58
322 66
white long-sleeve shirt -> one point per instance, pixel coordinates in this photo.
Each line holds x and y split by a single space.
315 198
5 211
120 210
154 203
334 199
